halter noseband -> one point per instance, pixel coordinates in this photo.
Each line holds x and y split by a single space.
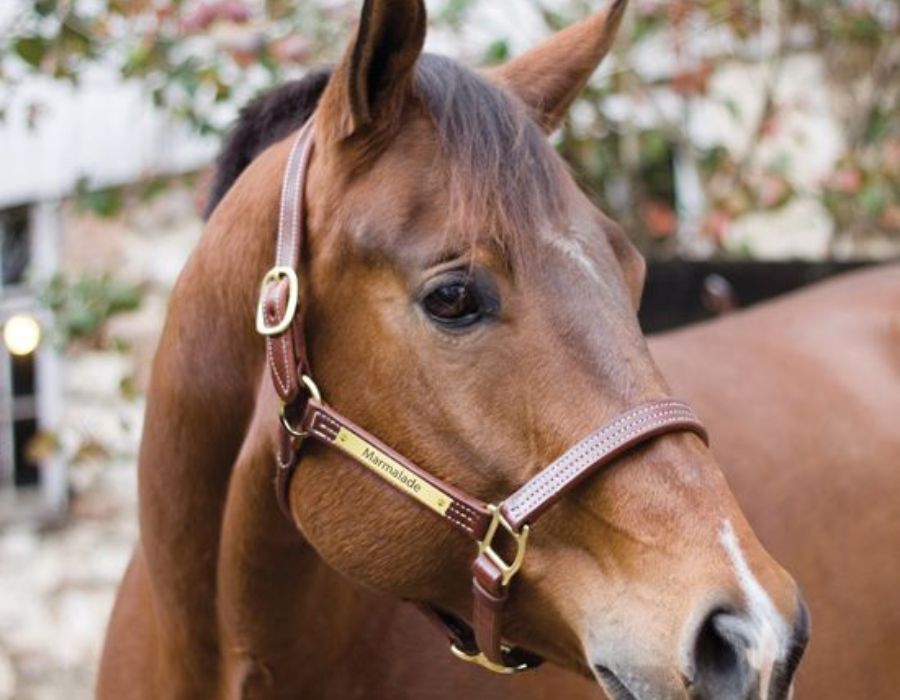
305 415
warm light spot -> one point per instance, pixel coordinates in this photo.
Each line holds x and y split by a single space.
22 334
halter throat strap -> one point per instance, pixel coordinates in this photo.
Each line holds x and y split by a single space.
304 415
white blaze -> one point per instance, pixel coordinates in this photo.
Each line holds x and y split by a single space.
768 629
572 244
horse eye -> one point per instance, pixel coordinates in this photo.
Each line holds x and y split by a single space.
454 304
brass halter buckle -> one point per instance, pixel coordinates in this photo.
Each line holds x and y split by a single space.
507 569
272 276
480 659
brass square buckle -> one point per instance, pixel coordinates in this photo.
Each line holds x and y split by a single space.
272 276
507 569
479 659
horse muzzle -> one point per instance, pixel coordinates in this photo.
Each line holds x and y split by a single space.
730 655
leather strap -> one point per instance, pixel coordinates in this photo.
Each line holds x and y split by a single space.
305 415
287 350
281 304
595 451
471 516
463 643
489 596
467 514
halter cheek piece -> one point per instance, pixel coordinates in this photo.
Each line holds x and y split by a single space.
305 415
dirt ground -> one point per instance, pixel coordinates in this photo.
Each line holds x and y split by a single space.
56 591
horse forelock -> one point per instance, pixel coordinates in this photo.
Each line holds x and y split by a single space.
504 179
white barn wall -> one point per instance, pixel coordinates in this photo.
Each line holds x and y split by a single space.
105 130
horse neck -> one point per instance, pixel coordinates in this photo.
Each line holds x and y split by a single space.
208 366
278 602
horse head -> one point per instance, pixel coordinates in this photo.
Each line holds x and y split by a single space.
465 301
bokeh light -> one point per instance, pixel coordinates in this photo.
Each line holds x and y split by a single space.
21 334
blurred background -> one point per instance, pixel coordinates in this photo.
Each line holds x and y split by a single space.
747 146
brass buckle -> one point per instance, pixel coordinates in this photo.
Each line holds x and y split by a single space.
282 416
508 570
273 275
480 659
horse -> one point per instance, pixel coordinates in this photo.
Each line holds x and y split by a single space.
802 396
464 301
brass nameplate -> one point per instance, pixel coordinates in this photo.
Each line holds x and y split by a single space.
392 471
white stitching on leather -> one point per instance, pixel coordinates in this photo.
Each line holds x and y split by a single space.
274 366
282 341
598 445
468 527
546 483
283 376
591 450
318 432
462 510
326 426
286 191
329 423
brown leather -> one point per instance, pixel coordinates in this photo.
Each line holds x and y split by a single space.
308 416
489 596
287 351
596 450
471 516
467 514
285 462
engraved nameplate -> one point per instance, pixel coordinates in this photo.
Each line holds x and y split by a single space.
392 471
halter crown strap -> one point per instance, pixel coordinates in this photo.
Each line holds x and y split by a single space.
279 316
305 415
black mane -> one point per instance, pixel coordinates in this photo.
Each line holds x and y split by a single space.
268 118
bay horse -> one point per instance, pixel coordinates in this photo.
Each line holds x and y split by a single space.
464 301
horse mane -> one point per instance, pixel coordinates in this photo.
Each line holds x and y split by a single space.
504 176
268 118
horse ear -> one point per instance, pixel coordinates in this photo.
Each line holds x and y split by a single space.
369 86
549 77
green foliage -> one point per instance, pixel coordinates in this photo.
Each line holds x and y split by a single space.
83 305
454 13
631 167
44 8
31 49
192 56
104 202
864 193
497 52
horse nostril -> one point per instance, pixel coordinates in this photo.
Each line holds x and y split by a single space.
721 670
783 674
612 685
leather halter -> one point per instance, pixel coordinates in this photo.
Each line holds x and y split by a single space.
305 415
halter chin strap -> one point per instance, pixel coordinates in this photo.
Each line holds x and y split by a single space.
305 415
